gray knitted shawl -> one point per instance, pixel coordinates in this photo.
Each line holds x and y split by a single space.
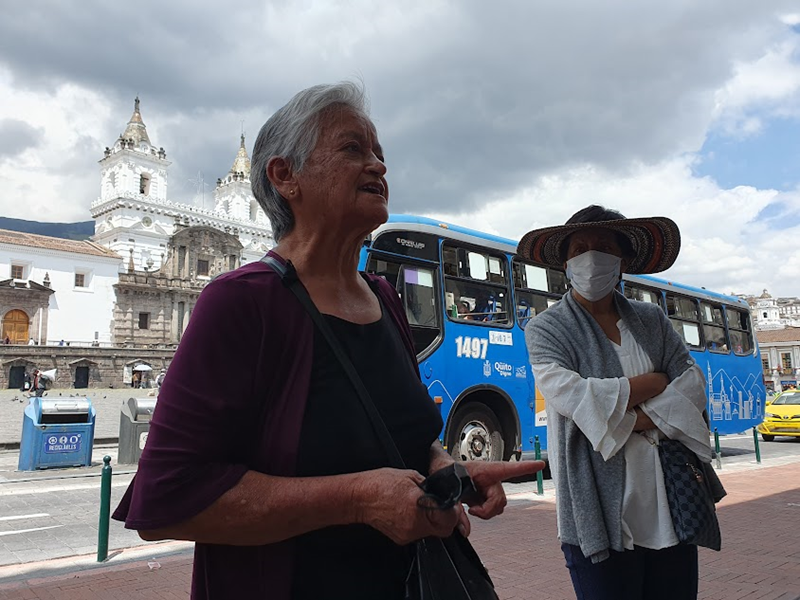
589 489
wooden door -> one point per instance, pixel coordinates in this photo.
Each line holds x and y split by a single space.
15 326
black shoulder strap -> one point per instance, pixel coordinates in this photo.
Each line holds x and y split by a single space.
290 280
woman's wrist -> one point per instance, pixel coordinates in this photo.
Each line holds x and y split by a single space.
439 458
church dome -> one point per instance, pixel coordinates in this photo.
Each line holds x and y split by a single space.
241 163
136 130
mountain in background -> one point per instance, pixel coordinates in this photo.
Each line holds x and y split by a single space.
67 231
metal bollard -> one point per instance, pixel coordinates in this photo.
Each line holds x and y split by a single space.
717 451
758 448
538 454
105 510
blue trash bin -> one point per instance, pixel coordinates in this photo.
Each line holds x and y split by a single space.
57 433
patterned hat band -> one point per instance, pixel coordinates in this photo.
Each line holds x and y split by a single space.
656 242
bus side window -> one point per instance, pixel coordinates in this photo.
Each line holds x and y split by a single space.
683 315
634 292
536 288
529 305
475 286
739 328
419 298
450 261
714 328
557 281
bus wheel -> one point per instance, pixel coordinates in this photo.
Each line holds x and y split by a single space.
767 438
476 435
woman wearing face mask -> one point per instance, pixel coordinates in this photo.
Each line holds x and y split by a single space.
616 379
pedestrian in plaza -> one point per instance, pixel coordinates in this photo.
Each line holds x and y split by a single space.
38 384
617 379
160 378
277 473
7 341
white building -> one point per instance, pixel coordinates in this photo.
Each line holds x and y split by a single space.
135 218
780 357
53 289
773 313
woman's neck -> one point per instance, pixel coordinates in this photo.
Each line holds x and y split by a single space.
599 309
322 255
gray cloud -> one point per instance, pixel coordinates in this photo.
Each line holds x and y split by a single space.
471 101
16 136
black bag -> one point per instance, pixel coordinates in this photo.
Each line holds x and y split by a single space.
448 569
690 496
441 569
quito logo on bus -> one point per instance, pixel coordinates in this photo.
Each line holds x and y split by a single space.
504 369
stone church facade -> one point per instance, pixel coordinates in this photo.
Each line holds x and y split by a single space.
154 308
150 259
171 250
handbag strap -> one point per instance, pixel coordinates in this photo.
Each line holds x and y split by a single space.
289 278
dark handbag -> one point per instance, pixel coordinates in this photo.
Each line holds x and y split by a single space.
690 496
441 569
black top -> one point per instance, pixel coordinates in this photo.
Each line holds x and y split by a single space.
355 561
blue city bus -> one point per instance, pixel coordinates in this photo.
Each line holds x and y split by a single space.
468 299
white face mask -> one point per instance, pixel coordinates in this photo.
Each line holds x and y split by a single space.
593 274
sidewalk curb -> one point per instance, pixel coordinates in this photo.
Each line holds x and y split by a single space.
14 576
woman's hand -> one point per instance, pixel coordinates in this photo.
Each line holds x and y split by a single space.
488 478
386 499
643 422
644 387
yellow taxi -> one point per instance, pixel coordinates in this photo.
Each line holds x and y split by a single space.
781 416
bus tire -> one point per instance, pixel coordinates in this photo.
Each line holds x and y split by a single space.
767 438
476 434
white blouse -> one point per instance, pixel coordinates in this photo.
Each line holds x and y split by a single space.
599 409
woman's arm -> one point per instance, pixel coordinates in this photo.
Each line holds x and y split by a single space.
677 412
644 387
262 509
600 407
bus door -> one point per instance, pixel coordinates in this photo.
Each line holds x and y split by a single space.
536 288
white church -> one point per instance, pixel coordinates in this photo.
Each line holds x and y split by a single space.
134 213
99 292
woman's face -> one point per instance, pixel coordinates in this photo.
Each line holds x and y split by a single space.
343 180
601 240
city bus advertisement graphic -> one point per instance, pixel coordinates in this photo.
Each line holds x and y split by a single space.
468 298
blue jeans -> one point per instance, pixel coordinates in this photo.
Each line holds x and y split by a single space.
638 574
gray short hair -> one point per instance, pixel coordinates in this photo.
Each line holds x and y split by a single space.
291 133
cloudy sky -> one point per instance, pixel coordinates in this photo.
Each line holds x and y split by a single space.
500 116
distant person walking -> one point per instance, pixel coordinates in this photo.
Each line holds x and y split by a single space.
37 385
7 341
160 378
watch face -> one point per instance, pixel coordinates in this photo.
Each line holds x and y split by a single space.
147 221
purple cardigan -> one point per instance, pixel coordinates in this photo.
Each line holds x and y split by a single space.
249 342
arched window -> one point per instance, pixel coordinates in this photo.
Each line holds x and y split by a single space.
144 184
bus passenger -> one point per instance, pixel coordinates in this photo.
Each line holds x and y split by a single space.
616 379
243 465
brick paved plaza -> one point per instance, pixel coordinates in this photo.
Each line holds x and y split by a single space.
760 559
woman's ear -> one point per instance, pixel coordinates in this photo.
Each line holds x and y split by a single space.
281 176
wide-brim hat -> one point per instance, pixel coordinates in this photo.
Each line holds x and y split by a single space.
656 242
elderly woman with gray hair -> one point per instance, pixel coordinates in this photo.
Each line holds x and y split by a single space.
277 474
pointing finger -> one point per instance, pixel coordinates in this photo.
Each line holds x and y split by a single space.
486 473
